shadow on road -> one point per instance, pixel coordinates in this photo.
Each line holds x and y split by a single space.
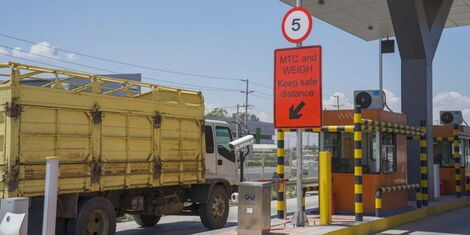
175 228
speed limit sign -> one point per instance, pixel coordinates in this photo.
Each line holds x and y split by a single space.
297 24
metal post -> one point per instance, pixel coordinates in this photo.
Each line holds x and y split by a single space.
424 166
281 203
50 195
358 163
458 176
299 214
381 81
325 188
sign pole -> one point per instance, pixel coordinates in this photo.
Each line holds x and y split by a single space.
300 214
297 88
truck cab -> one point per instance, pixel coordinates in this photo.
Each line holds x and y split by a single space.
221 161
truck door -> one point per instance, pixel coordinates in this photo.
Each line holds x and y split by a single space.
211 161
226 164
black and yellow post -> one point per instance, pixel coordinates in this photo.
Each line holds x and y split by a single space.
304 192
458 177
467 185
423 159
281 204
378 202
358 208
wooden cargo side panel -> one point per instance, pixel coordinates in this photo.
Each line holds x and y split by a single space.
180 151
127 151
54 132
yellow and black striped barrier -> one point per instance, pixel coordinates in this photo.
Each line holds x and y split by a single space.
458 177
391 189
346 128
358 207
281 203
423 159
443 139
371 125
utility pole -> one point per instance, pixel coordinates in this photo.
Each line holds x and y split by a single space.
246 92
237 120
337 102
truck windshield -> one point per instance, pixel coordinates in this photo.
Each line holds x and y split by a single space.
224 136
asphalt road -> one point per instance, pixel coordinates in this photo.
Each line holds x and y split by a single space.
453 222
179 225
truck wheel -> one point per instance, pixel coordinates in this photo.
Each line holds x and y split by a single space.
95 217
147 220
214 213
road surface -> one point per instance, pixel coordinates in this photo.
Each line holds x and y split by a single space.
453 222
179 225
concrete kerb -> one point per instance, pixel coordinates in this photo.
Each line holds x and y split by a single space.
374 226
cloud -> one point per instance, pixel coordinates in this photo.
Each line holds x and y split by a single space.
210 106
71 56
451 100
265 117
37 51
3 52
332 101
393 101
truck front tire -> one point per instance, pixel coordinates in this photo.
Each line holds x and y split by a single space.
95 216
146 220
214 212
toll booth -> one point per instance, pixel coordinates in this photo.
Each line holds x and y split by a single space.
444 156
384 160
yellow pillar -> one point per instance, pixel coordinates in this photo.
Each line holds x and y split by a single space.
325 188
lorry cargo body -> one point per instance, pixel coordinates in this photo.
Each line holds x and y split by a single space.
127 136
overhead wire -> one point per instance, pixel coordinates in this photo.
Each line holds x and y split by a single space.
189 86
121 62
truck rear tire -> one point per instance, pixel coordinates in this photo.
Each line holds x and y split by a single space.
214 212
95 217
147 220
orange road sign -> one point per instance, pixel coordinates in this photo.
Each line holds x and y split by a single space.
298 87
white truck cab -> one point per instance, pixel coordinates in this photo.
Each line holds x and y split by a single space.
221 162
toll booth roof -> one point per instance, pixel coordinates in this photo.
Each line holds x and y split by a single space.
346 117
370 19
448 130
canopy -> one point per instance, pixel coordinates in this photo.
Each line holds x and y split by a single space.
370 19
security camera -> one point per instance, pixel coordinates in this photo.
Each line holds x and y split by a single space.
241 142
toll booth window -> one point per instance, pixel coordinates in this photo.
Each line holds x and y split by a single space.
224 136
209 139
341 146
389 155
443 153
465 146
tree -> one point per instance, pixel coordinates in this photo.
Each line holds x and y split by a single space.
217 113
241 117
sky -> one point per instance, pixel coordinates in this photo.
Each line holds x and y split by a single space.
223 40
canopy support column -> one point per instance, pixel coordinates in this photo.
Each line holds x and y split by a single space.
418 25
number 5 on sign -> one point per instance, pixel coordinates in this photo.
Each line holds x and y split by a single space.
297 24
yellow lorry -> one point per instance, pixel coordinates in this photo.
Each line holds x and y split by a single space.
123 147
